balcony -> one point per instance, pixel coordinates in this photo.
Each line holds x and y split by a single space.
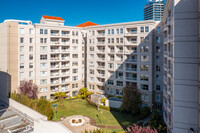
131 60
55 58
65 58
131 33
55 82
131 69
55 66
131 42
101 75
54 74
101 67
55 50
120 51
65 81
119 77
112 51
64 66
54 42
55 34
65 50
131 78
101 43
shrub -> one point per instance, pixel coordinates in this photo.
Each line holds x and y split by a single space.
83 93
41 105
104 107
103 100
144 112
139 129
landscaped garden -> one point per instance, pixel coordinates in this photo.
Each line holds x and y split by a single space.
81 107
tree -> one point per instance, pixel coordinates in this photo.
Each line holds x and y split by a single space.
131 100
29 89
83 93
157 122
60 96
138 129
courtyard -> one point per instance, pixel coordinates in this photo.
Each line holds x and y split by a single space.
109 121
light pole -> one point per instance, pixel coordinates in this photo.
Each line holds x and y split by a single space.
101 116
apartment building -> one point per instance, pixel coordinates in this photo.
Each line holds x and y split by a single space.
126 54
181 66
48 54
104 58
154 10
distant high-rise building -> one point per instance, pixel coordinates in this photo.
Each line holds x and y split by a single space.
154 9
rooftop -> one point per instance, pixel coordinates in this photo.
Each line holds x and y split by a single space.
87 24
52 17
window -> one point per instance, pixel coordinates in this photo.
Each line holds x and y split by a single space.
21 57
43 57
41 89
45 40
158 87
31 74
21 31
43 73
91 79
158 39
108 40
21 66
30 48
21 48
144 87
41 40
91 71
21 40
91 87
108 31
112 40
144 58
41 31
45 31
144 67
30 65
91 56
158 29
112 31
144 49
119 83
157 68
121 31
117 31
74 86
43 81
75 56
91 64
91 48
144 77
121 40
158 49
110 82
74 63
74 78
75 71
157 97
30 40
74 48
21 74
146 28
141 29
43 65
43 48
31 31
30 57
141 39
117 40
110 65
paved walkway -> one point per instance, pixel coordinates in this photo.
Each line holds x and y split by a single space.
89 124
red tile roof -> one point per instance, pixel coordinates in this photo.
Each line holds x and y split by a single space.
86 24
52 17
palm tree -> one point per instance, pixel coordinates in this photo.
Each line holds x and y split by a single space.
60 96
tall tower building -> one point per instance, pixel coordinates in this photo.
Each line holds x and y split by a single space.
154 9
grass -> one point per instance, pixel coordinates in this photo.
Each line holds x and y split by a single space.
81 107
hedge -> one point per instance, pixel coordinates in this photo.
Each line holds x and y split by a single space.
41 105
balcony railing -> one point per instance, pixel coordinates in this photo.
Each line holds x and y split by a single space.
131 78
52 42
131 69
55 50
54 74
57 66
101 67
131 60
55 34
55 82
56 58
100 42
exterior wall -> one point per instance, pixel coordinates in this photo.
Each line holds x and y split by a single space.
98 81
181 66
113 104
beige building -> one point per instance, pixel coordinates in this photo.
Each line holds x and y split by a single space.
181 66
112 56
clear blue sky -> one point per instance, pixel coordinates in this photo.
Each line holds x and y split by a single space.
74 12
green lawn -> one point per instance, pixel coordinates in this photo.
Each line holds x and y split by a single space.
81 107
